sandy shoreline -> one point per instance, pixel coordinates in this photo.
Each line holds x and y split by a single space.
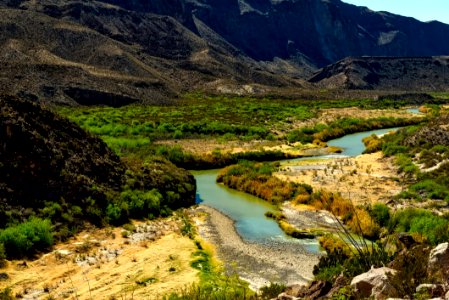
259 264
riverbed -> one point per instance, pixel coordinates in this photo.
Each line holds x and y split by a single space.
254 244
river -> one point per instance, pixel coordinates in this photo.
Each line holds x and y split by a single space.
248 212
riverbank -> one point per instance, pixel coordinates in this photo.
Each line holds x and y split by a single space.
259 264
364 179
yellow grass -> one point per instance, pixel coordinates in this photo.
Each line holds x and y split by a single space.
160 267
363 179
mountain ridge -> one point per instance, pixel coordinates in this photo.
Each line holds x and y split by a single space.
149 51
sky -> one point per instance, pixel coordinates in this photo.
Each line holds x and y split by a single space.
424 10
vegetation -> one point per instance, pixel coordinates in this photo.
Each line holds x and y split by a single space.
134 130
213 160
348 255
129 128
26 238
58 177
416 149
341 127
431 228
257 179
420 153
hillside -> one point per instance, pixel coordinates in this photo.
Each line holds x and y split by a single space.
386 73
52 169
117 52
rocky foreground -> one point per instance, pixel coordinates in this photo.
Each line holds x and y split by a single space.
259 264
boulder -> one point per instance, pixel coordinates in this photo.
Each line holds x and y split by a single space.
374 283
434 290
315 290
295 289
439 258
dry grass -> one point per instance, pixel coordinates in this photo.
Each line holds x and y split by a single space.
364 179
143 270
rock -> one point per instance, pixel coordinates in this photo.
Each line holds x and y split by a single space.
295 289
340 282
434 290
91 261
439 258
316 290
374 283
285 296
63 252
407 240
4 276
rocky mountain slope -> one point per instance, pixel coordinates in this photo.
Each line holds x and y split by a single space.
118 52
387 73
52 168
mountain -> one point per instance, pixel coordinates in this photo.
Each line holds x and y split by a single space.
386 73
117 52
51 168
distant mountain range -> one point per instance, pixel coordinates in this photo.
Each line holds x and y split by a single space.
122 51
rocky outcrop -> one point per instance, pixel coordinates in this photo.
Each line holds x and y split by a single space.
374 283
439 259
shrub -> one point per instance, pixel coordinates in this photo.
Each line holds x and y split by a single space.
434 229
2 256
362 223
6 294
381 214
27 238
430 189
372 144
272 291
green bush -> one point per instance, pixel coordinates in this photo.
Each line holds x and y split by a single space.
272 290
430 189
434 228
381 214
27 238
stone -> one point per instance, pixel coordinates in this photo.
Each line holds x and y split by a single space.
434 290
295 289
339 282
315 290
374 283
285 296
439 258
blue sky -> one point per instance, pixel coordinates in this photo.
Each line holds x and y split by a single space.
424 10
